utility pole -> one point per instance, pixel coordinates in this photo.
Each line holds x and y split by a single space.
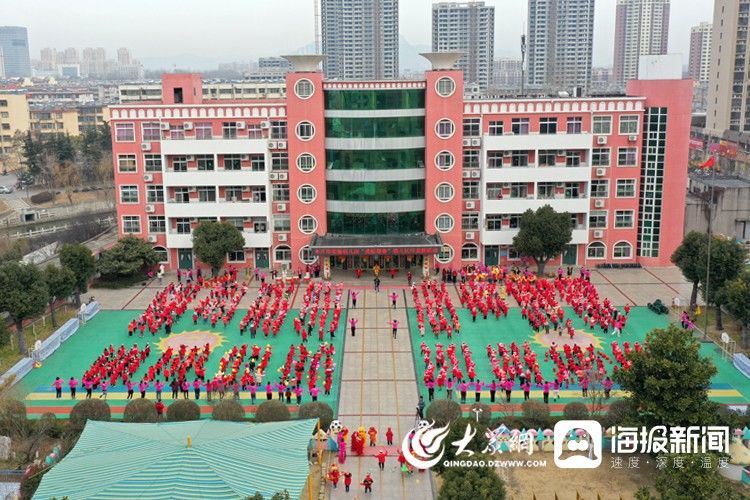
708 257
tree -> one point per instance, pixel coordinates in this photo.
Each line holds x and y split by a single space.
727 259
212 241
23 295
13 420
471 483
228 410
575 410
140 411
456 432
128 256
543 235
484 412
535 413
183 410
79 259
669 379
66 176
32 153
687 258
272 411
88 409
738 302
60 284
692 480
443 411
319 410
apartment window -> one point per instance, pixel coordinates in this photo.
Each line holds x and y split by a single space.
307 224
599 188
622 250
205 162
282 254
151 131
444 192
155 194
471 127
131 224
182 225
232 162
600 157
182 195
514 221
519 190
471 190
233 193
575 125
547 125
496 128
280 161
206 194
625 188
470 221
596 250
623 219
278 130
152 163
602 125
598 219
469 252
494 159
445 128
129 194
280 192
124 132
471 158
203 131
572 190
572 159
126 164
445 160
519 126
157 224
236 256
305 131
494 222
629 125
177 132
494 191
627 157
259 194
282 223
258 162
229 130
179 163
254 131
545 190
547 158
519 159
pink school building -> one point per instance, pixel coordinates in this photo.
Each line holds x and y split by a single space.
347 174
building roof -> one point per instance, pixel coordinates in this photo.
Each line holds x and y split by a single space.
385 244
114 460
726 182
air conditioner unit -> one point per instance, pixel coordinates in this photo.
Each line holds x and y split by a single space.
282 237
560 152
475 174
600 172
632 138
152 238
281 144
476 141
148 178
190 158
507 153
283 176
470 205
265 124
506 185
469 235
273 145
145 146
598 234
150 209
240 125
187 125
193 220
560 184
466 174
601 139
192 190
281 207
467 142
245 157
164 126
273 176
599 203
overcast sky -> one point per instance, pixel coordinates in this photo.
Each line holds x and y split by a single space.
241 30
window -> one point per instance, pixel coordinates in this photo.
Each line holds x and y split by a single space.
494 191
471 190
445 128
282 254
471 127
627 157
155 194
545 190
514 221
305 131
232 162
623 219
599 188
152 163
181 195
162 255
129 194
547 158
519 126
600 157
598 219
444 223
176 132
470 221
513 254
572 159
131 224
258 194
494 222
124 132
233 193
206 194
306 255
229 130
602 125
445 86
236 256
126 164
596 250
547 125
157 224
258 162
445 255
575 125
445 160
205 162
572 190
307 224
625 188
304 88
278 130
306 162
622 250
282 223
182 225
470 252
496 128
495 159
444 192
471 158
519 190
306 193
203 131
519 158
151 131
280 192
179 163
254 131
629 125
280 161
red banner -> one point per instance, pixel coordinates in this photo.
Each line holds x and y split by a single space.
697 144
376 251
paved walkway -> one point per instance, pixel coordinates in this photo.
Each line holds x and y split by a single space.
379 389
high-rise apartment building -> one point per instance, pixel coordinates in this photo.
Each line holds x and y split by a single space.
728 87
560 43
14 42
123 56
641 28
507 74
467 27
700 52
360 39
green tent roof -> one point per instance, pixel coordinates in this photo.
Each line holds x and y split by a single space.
152 461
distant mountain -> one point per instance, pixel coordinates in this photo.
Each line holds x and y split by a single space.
180 61
409 58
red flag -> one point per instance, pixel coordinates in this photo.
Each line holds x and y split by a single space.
709 163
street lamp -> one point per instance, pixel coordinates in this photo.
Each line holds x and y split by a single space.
708 248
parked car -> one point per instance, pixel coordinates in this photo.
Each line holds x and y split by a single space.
6 189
